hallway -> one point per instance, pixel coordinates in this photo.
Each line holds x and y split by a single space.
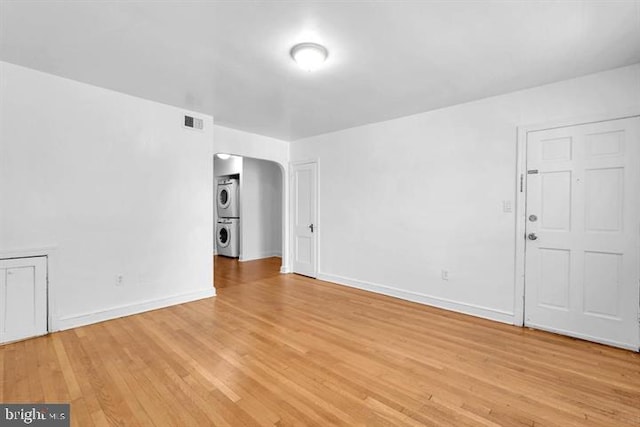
231 272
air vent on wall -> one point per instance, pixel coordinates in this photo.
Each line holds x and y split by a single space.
192 122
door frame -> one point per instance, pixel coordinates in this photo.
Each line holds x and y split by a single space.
521 199
292 204
284 172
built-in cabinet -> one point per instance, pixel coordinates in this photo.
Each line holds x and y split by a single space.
23 298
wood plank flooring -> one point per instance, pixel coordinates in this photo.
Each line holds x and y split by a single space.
280 350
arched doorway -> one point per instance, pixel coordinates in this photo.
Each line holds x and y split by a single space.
257 229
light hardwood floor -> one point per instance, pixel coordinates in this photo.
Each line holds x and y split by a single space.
275 349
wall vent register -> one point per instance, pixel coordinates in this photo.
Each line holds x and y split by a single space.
191 122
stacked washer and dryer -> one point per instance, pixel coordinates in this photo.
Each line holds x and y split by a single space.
228 227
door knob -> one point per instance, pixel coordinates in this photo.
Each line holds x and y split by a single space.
532 236
311 227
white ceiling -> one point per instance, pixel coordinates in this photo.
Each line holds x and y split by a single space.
387 58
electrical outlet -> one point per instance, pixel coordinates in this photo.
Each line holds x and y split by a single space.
119 280
507 206
445 274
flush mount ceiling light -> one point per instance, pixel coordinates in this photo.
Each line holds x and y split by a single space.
223 156
309 56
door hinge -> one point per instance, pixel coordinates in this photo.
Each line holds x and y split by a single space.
521 180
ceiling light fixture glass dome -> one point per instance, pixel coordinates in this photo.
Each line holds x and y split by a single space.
309 56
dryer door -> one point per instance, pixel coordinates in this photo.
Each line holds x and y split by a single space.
224 196
223 236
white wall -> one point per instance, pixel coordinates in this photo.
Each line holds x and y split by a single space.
230 166
261 209
115 184
402 200
233 141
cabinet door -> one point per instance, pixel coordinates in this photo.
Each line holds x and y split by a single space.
23 298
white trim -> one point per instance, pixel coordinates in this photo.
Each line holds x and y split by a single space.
28 253
522 132
318 208
457 306
583 336
624 113
260 255
129 309
284 269
520 243
285 214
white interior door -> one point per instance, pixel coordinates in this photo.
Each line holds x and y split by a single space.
582 257
304 219
23 302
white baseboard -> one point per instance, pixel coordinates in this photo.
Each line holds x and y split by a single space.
127 310
284 269
262 255
460 307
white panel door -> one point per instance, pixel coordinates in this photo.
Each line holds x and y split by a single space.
304 219
583 231
23 298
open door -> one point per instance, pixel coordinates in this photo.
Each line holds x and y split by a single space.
304 235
